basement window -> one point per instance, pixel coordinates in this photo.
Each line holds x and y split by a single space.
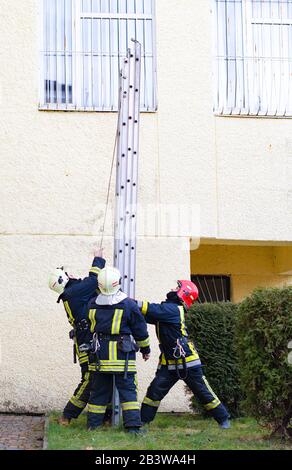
253 57
83 44
212 288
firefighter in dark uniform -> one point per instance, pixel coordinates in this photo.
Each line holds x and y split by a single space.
75 295
119 331
179 358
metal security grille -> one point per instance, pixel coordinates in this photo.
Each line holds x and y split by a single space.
212 288
253 57
83 46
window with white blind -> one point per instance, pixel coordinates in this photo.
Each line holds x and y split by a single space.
83 46
253 57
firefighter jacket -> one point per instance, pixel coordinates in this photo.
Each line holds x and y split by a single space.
75 297
116 325
169 320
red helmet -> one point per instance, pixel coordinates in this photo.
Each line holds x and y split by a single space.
188 293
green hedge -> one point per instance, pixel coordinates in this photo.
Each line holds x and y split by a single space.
264 329
212 326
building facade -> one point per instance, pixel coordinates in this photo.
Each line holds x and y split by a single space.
215 136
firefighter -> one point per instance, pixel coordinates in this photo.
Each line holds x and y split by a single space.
75 295
119 331
179 359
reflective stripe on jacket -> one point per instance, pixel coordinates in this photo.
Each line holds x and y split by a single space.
169 320
75 297
115 321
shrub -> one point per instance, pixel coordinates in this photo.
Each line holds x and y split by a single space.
263 331
212 326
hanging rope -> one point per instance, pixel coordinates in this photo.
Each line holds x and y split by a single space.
108 192
111 172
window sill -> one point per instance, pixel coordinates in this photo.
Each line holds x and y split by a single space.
72 108
252 116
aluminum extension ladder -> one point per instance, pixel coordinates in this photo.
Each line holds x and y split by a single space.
127 152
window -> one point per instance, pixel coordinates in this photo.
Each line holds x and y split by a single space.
253 57
83 45
212 288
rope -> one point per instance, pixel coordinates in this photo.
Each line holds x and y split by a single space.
179 350
108 191
111 171
113 156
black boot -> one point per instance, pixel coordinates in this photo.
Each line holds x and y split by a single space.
137 431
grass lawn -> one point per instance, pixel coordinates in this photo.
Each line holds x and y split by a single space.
167 432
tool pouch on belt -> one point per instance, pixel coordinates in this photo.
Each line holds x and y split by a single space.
72 336
127 344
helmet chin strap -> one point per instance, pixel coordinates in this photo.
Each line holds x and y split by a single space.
172 295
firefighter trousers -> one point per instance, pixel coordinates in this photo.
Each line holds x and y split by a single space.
165 379
80 397
101 394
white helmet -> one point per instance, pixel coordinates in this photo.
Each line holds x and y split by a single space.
109 280
58 280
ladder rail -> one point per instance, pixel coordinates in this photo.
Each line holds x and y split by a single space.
127 156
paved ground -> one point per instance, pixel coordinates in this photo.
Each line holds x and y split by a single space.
21 432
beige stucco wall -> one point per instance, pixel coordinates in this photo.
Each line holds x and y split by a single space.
249 266
37 373
283 259
54 171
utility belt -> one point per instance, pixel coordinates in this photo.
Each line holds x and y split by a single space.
107 337
125 343
82 325
179 352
